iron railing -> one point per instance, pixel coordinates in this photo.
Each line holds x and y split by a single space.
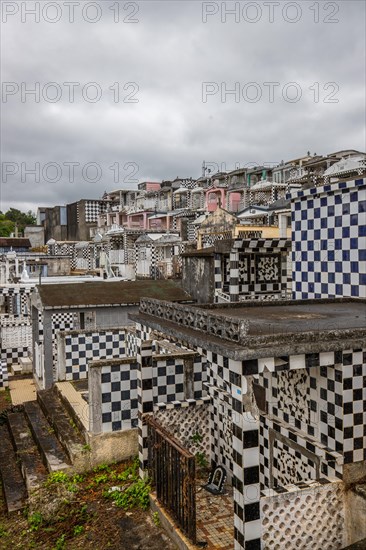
172 470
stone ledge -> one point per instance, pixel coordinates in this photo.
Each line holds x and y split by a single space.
169 526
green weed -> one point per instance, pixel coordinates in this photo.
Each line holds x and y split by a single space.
78 530
135 495
197 438
61 542
156 519
201 460
35 521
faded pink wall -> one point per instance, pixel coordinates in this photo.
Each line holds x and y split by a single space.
151 186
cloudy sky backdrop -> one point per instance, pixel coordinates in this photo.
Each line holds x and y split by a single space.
163 59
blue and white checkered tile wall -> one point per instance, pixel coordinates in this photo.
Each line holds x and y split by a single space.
82 347
328 236
60 322
119 397
354 405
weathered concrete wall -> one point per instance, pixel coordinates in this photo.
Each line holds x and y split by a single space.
58 266
355 518
77 227
35 233
113 446
198 278
54 224
114 316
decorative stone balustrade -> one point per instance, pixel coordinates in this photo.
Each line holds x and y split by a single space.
267 297
222 326
14 321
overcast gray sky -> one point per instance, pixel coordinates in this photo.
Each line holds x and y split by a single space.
151 100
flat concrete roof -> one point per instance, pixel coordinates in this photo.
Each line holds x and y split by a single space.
267 319
276 328
105 293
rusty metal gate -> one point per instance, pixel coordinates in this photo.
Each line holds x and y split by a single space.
172 470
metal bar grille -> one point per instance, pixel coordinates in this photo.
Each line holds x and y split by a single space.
172 470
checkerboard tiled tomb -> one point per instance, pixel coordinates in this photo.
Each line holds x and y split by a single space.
288 422
257 266
113 395
80 347
15 338
328 240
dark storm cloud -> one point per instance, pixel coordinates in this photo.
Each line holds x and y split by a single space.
169 54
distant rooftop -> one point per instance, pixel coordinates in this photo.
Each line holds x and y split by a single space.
15 242
109 293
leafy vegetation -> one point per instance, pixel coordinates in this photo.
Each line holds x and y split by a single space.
197 438
15 218
201 460
35 520
156 519
3 531
135 495
108 491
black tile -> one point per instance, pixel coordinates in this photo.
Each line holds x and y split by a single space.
250 366
251 512
253 544
348 432
106 397
250 439
251 475
357 394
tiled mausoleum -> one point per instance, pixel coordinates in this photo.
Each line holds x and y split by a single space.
286 410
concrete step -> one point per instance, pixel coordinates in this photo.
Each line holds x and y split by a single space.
63 425
30 461
14 488
79 422
53 455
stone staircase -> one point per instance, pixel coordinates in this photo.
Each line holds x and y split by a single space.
41 439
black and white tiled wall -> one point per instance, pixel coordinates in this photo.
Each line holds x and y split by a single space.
84 346
119 396
259 266
328 236
4 380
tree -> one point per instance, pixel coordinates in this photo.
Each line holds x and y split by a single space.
21 219
6 226
15 218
